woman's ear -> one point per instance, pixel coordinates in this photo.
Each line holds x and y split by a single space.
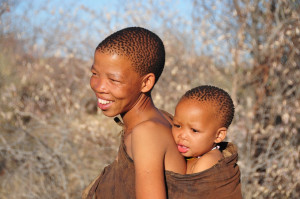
148 82
221 134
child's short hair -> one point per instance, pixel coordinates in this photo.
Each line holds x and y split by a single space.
142 47
217 97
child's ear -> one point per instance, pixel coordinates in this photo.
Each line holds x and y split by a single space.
148 82
221 134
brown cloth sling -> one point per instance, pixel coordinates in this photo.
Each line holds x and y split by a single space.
220 181
117 180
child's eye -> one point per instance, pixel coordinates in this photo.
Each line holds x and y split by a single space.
176 125
195 130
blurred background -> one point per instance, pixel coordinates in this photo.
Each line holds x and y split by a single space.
54 141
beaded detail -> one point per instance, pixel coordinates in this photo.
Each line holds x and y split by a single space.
216 147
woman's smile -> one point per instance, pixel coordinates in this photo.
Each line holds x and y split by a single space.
115 83
104 104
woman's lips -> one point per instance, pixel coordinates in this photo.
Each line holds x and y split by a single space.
104 104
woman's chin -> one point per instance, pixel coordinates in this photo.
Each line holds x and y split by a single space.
109 113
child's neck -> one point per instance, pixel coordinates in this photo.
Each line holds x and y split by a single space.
214 154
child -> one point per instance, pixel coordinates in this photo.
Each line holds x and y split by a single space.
200 124
127 64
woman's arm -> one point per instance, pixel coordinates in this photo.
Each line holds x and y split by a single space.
148 152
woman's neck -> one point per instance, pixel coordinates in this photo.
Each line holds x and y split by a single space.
139 113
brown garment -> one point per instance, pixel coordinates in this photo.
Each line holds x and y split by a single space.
117 180
220 181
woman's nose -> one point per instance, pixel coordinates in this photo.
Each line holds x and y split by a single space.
98 85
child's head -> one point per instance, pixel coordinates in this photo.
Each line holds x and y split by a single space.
142 47
219 101
201 119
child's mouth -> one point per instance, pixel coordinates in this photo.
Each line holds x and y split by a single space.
182 149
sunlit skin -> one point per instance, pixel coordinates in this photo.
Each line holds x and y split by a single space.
116 85
147 137
196 131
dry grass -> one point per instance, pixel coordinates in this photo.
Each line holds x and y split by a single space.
53 141
51 134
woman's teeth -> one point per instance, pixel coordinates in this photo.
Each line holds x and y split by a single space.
101 101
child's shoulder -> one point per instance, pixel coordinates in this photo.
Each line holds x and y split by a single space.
207 161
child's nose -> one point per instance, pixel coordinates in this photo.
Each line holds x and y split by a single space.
182 135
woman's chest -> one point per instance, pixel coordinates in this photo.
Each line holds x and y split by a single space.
128 145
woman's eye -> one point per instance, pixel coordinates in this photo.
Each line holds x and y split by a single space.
114 80
93 72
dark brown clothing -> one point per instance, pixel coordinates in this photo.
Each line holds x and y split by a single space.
220 181
117 180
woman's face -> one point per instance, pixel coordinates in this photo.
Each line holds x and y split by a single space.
116 85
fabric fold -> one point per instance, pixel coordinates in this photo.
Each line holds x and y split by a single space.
220 181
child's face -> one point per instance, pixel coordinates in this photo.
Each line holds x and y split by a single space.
115 83
195 128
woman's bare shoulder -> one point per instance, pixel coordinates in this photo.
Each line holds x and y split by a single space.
153 131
